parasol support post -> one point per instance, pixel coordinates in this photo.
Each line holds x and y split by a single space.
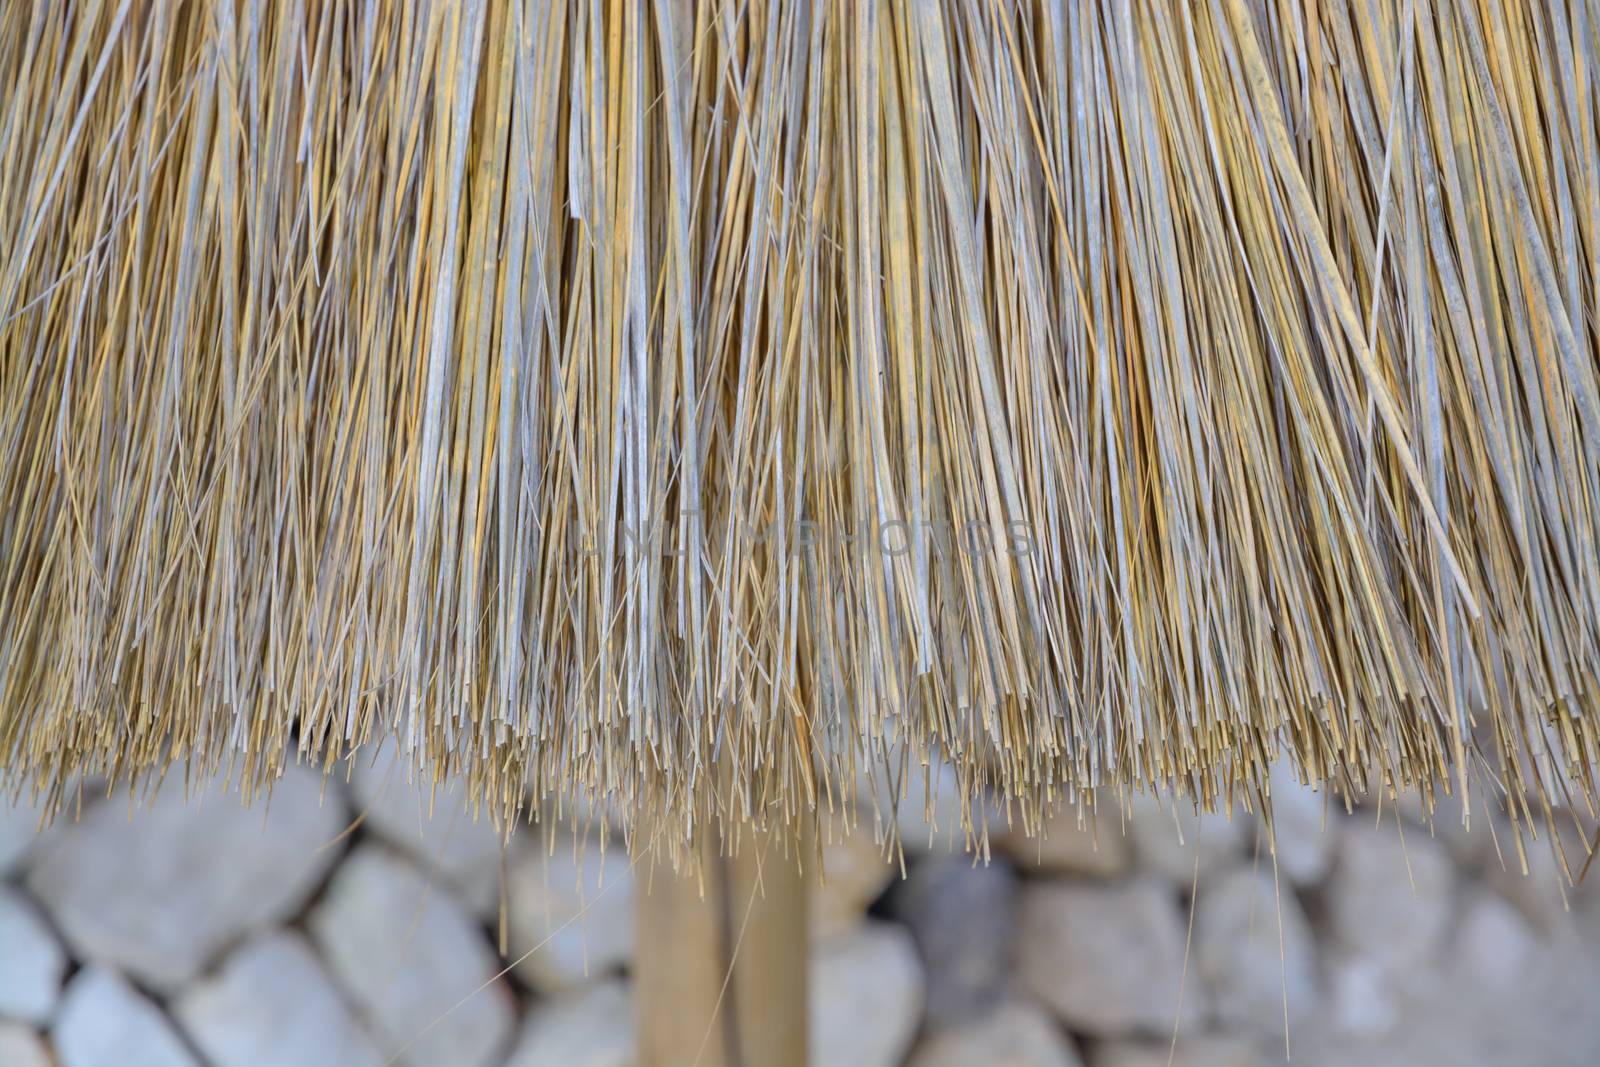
721 965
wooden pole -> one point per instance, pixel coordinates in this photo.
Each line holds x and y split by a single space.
721 977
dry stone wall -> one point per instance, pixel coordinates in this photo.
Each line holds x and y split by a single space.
350 922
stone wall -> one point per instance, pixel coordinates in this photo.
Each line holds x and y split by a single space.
346 928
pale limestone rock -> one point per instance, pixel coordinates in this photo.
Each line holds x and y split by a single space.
1547 1018
1108 959
1254 949
1544 894
930 817
1389 898
570 914
160 891
1095 846
32 963
1017 1033
592 1027
105 1021
434 825
1168 835
1469 842
1494 944
19 833
23 833
1363 996
866 998
1202 1051
411 958
855 873
1304 846
272 1005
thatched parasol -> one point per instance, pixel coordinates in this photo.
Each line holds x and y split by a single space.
716 407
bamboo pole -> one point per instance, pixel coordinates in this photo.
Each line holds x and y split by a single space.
721 963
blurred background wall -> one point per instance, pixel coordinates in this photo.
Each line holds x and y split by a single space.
346 927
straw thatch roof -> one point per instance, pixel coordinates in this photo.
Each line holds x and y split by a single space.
591 393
